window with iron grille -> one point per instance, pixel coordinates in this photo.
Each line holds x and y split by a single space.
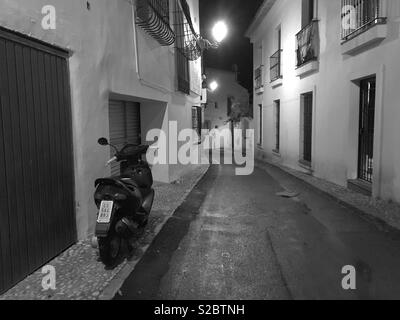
277 104
153 17
275 59
182 59
306 132
360 15
275 66
307 40
187 39
258 77
367 129
307 44
197 120
260 135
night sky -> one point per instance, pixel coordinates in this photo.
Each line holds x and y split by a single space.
236 48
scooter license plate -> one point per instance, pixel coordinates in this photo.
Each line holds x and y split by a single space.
105 212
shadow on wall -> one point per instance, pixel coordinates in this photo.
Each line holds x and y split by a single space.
154 116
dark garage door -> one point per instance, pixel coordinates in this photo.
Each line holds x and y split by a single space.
37 219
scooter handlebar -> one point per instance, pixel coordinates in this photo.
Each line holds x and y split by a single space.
111 161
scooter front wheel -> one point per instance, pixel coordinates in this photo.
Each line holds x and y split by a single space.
110 250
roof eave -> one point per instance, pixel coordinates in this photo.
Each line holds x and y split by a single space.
260 15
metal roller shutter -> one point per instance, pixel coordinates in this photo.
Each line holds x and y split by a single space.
124 126
133 123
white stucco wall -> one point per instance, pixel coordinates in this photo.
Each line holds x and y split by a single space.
103 65
335 137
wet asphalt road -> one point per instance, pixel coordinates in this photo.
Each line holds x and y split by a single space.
234 238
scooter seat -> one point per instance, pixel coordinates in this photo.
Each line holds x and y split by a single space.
110 180
126 183
131 183
123 182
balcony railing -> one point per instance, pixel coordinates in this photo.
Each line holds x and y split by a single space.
307 44
360 15
186 36
258 78
275 66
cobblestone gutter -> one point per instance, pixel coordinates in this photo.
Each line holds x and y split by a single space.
80 276
382 213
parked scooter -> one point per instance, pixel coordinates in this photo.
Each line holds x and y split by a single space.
124 202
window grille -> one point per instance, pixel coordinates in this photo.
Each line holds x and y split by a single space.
307 127
366 130
153 17
197 120
258 78
277 126
275 66
187 39
260 114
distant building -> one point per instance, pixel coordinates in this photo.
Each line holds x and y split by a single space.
326 97
220 101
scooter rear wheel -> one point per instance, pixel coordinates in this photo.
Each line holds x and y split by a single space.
143 224
110 250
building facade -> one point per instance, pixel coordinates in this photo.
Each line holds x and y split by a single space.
72 72
220 102
326 97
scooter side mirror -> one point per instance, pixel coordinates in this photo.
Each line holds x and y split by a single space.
103 142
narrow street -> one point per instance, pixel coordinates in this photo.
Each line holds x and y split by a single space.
109 108
235 238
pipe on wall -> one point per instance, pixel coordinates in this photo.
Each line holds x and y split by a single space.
137 60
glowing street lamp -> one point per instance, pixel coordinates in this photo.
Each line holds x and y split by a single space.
220 31
214 86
